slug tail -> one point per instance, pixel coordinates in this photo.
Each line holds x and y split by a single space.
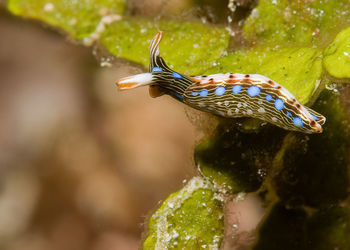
134 81
320 119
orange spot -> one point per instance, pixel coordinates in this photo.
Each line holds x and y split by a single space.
126 86
195 79
246 81
316 128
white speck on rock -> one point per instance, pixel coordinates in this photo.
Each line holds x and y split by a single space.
255 13
73 21
49 7
105 64
240 197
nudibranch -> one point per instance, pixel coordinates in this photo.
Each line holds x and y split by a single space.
226 94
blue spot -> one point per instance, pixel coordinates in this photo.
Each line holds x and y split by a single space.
157 69
253 91
220 91
268 97
279 104
176 75
179 96
236 89
315 117
289 114
203 93
194 93
297 121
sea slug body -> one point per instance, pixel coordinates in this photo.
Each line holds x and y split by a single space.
227 94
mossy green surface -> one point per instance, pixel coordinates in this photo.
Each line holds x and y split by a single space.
299 22
298 69
189 48
337 56
191 218
78 18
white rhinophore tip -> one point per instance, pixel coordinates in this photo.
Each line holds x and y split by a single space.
134 81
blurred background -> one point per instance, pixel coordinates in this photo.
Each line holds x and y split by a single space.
81 165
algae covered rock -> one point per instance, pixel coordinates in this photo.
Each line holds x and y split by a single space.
190 218
337 56
296 22
78 18
190 48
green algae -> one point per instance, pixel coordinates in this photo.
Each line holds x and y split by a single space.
78 18
191 218
189 48
300 22
299 69
337 56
